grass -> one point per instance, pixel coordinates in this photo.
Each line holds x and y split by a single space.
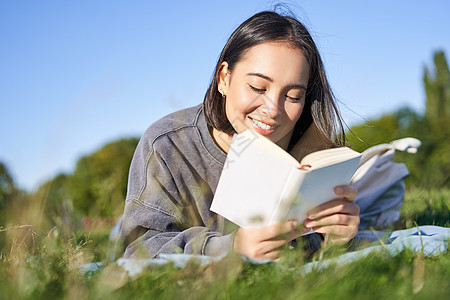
426 207
45 265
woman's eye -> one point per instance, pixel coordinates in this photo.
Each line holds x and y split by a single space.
259 91
294 99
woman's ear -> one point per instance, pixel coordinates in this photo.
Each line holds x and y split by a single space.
223 79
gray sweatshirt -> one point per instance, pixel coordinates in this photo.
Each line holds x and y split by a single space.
173 176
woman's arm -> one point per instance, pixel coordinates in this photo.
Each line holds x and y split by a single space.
148 232
167 210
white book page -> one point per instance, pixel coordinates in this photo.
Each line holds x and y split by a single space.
318 186
249 137
259 184
327 157
289 197
251 184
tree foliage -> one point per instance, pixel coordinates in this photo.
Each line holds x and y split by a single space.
430 167
99 182
13 200
6 185
55 202
382 130
437 89
96 188
7 190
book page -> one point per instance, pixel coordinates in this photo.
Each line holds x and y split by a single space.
251 182
318 186
328 157
240 141
289 197
261 185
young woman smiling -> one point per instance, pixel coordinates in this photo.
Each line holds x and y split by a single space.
270 79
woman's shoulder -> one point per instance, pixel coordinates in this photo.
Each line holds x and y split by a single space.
173 122
180 118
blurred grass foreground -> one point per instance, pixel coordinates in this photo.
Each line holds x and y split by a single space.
48 235
37 264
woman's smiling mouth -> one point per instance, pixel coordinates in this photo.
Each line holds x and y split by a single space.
263 127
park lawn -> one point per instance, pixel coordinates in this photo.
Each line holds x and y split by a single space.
46 266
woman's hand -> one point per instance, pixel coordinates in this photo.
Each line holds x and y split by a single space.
338 219
266 242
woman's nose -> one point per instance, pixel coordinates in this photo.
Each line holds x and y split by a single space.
272 105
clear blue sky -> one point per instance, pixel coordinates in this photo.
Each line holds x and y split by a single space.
75 75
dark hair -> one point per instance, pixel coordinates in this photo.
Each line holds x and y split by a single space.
268 26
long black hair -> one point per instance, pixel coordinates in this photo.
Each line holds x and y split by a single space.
268 26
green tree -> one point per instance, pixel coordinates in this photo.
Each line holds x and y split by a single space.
6 185
437 120
12 201
55 202
430 167
7 191
437 89
383 129
99 182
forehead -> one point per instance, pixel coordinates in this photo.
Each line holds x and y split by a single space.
276 60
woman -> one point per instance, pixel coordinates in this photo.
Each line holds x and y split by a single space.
269 78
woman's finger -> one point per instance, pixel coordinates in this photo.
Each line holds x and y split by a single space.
281 231
346 191
268 249
273 255
334 219
258 242
333 207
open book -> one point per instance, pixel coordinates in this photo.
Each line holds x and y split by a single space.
261 184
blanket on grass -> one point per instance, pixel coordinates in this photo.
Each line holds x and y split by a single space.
426 240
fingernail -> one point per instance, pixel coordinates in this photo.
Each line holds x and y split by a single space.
339 190
294 224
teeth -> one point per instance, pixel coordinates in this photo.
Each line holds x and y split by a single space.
262 125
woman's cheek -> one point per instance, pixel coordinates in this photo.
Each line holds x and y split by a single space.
247 101
295 111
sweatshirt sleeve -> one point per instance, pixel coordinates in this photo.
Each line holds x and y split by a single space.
161 215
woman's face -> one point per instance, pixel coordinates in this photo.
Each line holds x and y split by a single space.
266 90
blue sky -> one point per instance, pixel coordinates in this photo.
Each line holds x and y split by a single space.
75 75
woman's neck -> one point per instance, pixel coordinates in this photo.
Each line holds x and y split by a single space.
221 139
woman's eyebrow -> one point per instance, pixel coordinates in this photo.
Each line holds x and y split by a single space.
261 75
298 86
